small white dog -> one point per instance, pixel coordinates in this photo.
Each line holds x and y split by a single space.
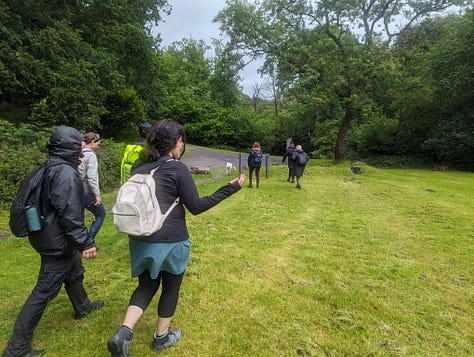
229 167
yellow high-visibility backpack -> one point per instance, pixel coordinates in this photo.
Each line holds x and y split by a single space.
131 154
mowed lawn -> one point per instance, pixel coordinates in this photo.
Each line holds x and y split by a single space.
378 264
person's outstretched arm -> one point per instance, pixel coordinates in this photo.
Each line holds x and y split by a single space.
189 194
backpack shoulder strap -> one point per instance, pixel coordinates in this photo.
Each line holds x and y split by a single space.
176 201
152 172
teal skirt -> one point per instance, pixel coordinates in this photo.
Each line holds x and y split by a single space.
155 257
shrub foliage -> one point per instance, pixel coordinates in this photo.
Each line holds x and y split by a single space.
23 147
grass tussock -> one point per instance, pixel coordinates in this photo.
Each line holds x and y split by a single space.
378 264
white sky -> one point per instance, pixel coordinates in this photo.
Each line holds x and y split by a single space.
193 19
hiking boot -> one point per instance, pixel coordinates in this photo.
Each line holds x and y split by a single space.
32 353
119 344
93 306
298 186
161 343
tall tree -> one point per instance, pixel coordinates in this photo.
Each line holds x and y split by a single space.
439 90
64 61
452 64
224 78
188 92
354 30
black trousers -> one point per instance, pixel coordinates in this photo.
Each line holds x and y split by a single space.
291 172
53 273
257 174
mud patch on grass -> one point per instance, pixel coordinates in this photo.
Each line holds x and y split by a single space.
4 235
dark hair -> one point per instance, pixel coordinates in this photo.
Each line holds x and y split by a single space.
143 129
162 138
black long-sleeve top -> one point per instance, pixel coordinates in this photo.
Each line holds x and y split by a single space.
173 179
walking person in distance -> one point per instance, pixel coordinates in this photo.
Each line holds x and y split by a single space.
162 257
291 163
301 158
254 162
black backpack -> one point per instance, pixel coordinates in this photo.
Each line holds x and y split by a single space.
25 215
257 156
301 158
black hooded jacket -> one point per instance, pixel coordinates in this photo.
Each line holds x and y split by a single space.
290 150
63 228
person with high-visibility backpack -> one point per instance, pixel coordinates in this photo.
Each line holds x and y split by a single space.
132 153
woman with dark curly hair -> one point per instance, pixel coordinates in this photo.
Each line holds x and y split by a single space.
162 257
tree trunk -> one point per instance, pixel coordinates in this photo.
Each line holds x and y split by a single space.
340 149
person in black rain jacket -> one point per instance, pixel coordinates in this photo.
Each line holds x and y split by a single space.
61 243
291 163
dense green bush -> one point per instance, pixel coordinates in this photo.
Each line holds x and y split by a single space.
377 136
16 161
398 161
22 147
109 155
24 134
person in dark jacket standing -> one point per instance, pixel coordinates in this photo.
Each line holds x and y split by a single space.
291 163
254 162
60 243
161 258
301 158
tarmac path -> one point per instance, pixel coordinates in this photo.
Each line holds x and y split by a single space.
202 157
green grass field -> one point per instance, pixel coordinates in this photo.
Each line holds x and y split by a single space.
378 264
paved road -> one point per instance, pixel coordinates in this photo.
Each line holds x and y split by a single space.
202 157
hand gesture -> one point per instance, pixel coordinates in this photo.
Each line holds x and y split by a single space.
240 180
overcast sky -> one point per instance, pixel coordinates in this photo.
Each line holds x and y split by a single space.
193 19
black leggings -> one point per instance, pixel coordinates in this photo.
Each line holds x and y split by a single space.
147 288
257 174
